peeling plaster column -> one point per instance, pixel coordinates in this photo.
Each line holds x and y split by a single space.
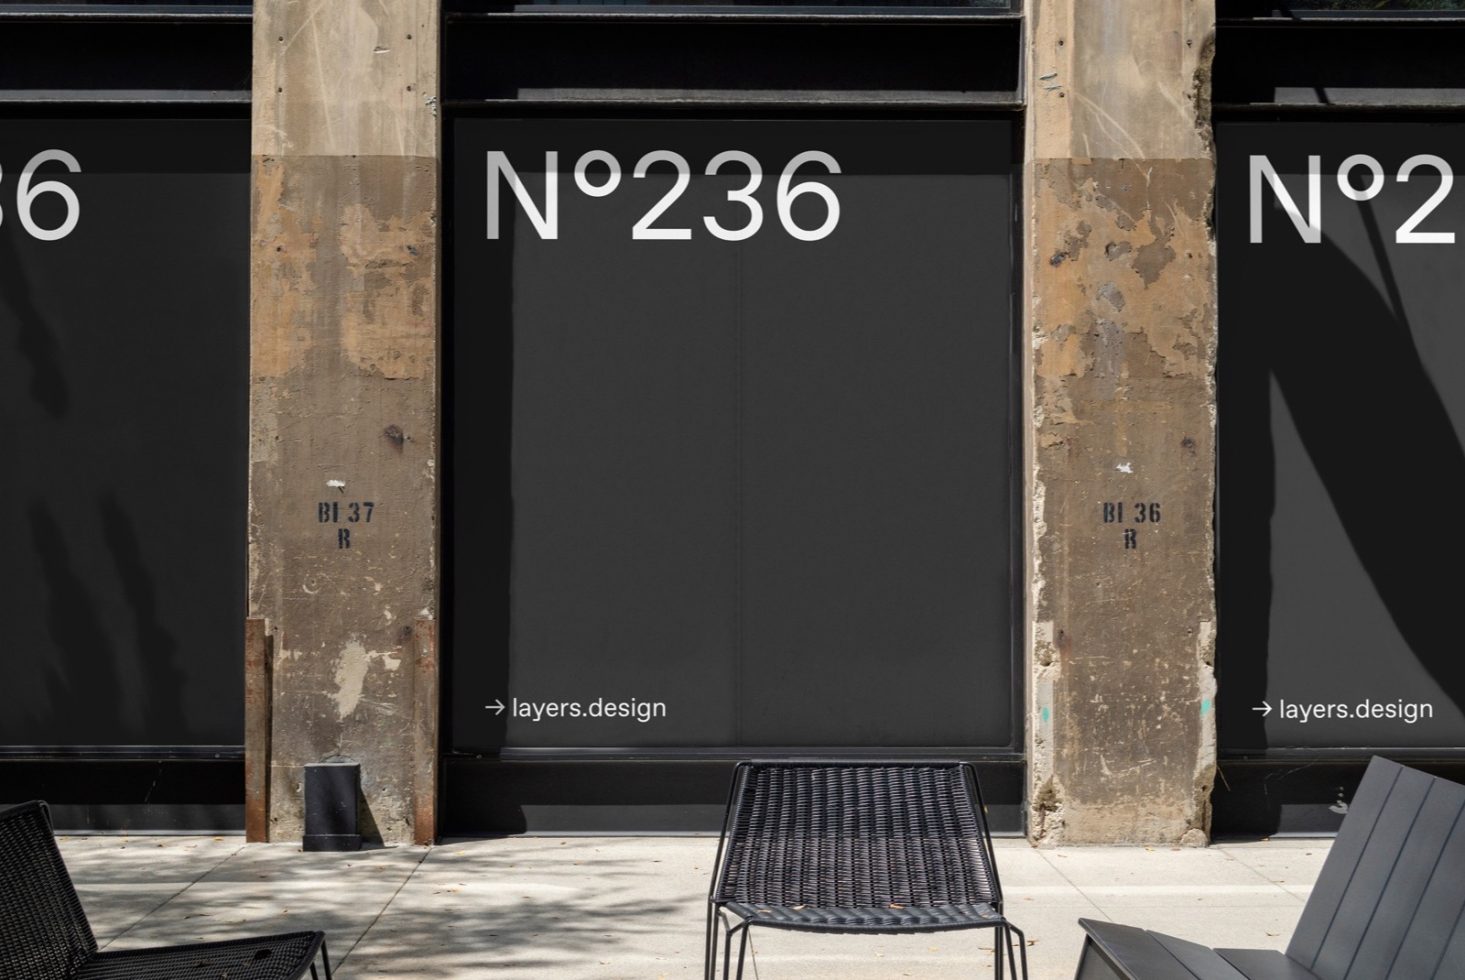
1121 322
343 364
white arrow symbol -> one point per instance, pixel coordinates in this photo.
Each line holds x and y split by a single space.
1265 709
497 707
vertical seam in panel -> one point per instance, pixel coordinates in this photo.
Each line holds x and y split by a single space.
1183 965
1343 892
1459 916
1445 946
1383 889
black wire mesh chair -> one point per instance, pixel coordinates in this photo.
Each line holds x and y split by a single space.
44 933
855 847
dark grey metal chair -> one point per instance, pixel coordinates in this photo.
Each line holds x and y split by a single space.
44 933
855 847
1388 905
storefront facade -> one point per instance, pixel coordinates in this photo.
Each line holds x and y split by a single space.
546 406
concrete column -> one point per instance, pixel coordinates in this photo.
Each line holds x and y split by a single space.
1121 308
343 425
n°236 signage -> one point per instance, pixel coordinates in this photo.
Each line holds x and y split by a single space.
1309 224
651 226
28 191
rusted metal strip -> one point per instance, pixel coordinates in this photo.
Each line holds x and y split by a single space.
424 732
259 650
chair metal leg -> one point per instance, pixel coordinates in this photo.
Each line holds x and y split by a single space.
1022 949
727 950
709 945
325 959
997 937
743 949
1021 955
729 930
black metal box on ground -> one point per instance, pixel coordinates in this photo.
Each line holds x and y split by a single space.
331 792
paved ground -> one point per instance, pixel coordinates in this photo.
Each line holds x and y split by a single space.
604 909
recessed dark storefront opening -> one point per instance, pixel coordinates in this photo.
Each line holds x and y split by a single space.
729 410
1337 390
122 256
821 8
1314 8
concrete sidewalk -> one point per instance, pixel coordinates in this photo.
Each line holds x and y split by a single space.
602 908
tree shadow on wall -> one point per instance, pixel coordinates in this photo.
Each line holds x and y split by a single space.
1381 441
157 648
34 340
85 682
84 686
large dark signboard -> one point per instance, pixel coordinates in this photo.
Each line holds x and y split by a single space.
731 433
123 372
1342 418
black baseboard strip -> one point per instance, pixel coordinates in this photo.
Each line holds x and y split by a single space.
102 795
1297 796
485 796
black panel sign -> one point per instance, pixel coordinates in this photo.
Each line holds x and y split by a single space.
1342 415
752 381
124 331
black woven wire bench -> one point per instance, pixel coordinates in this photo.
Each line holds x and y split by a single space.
44 933
854 847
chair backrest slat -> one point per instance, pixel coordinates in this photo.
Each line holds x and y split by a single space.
1424 949
1452 961
44 934
1361 899
1399 857
842 835
1343 857
1400 902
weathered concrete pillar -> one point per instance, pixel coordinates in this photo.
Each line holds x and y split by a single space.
343 433
1121 315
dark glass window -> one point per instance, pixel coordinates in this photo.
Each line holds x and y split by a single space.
758 481
1317 593
124 529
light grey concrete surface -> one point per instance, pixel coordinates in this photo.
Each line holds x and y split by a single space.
633 908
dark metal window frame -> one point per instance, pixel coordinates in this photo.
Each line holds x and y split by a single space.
157 9
1280 10
1336 60
731 10
137 56
713 58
